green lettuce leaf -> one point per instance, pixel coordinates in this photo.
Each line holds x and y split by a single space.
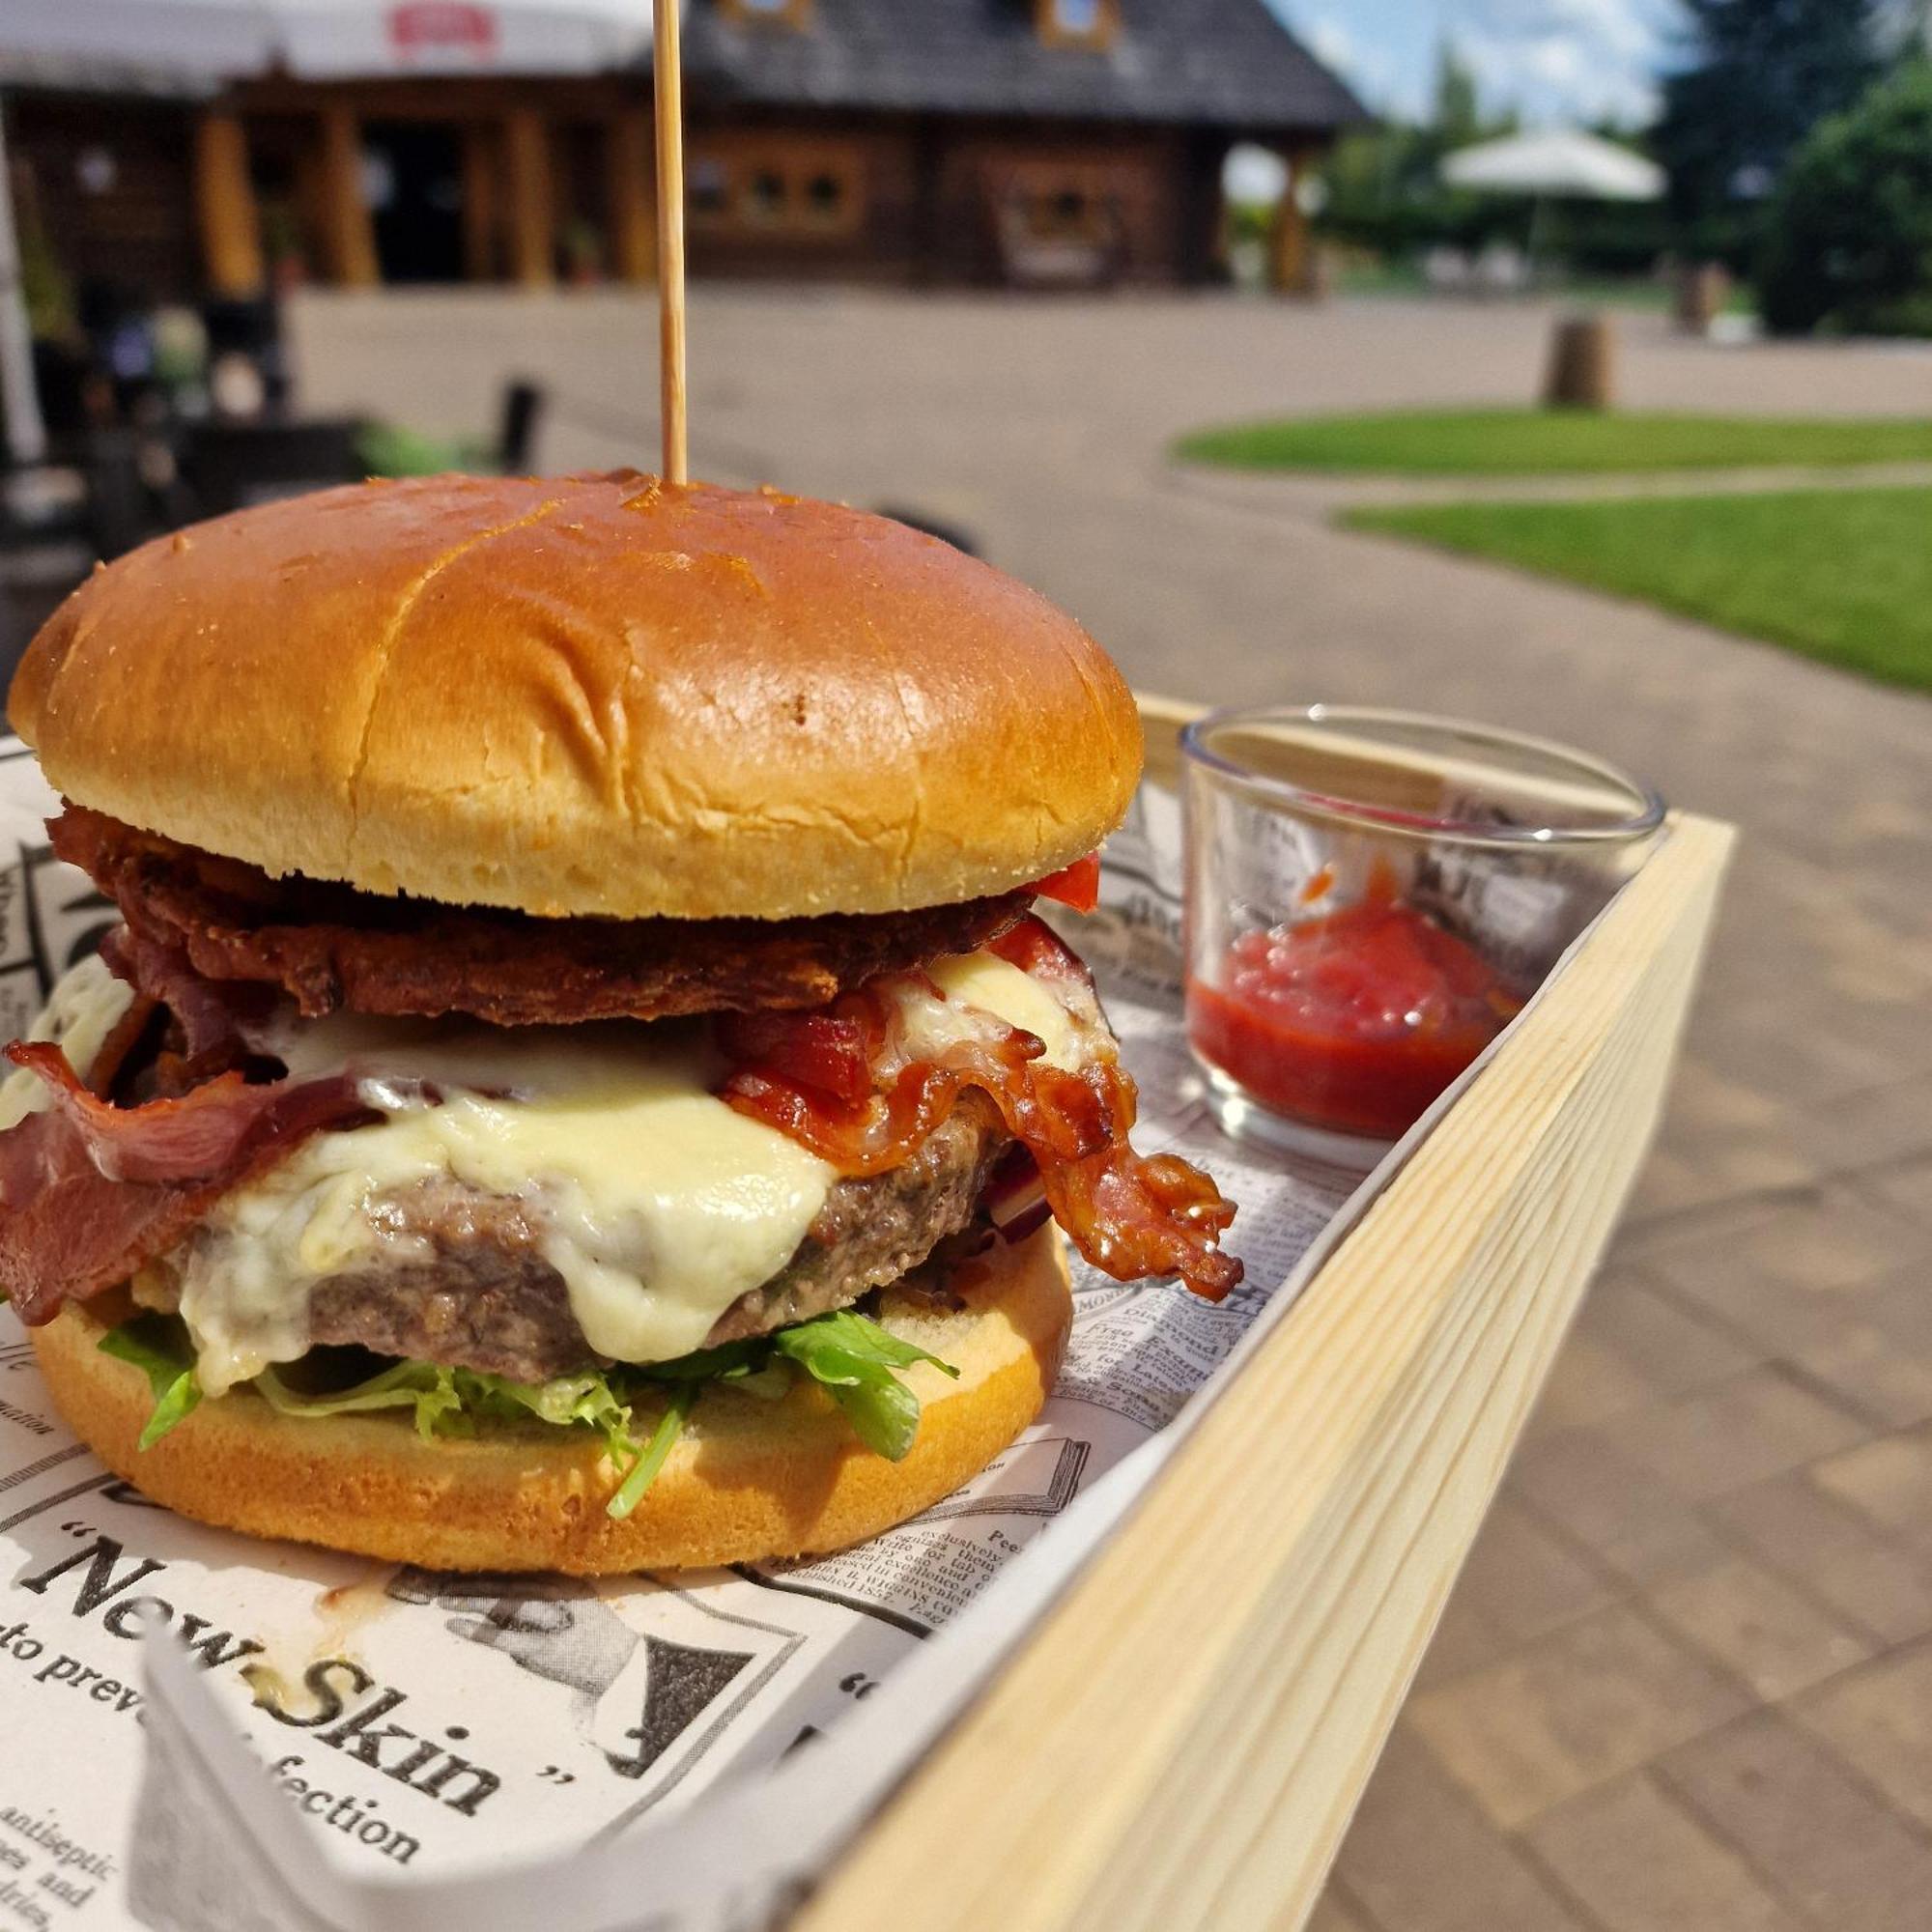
643 1472
152 1345
854 1358
448 1400
430 1391
731 1361
849 1354
586 1401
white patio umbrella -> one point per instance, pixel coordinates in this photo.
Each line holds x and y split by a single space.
1562 163
1559 165
196 45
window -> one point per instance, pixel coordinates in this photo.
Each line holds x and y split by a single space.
766 199
707 188
769 186
1059 205
769 13
1078 23
825 198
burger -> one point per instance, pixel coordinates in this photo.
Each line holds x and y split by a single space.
579 1081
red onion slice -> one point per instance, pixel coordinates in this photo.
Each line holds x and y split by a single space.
1016 1201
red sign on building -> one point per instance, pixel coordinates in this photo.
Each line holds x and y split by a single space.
442 26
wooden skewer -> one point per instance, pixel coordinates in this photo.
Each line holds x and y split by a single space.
669 88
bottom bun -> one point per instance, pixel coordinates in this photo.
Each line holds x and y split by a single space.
749 1479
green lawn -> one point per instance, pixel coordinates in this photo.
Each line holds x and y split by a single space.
1644 294
1842 576
1525 443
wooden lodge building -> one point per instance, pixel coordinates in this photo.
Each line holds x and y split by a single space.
1045 142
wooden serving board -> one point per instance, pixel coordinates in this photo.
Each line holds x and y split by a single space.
1182 1741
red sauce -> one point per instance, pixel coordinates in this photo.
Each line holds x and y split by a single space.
1354 1021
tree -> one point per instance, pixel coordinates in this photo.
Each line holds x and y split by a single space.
1849 242
1459 103
1760 75
1385 188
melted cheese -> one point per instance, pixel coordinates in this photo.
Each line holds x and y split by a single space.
658 1204
990 985
83 1008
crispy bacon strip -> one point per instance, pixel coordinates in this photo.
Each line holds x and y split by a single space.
1131 1216
212 1017
89 1191
332 949
201 1133
1134 1214
859 1138
829 1052
127 1035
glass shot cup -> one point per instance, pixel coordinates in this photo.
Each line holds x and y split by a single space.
1370 896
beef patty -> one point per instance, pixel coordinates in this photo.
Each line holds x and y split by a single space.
484 1297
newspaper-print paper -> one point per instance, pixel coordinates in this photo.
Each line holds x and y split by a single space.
348 1743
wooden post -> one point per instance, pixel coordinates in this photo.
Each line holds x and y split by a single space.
480 214
1583 364
634 231
1703 289
1291 255
231 227
348 235
533 214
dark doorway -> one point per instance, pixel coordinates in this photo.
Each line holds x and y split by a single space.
415 198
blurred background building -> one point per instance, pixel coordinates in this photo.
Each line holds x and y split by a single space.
1064 142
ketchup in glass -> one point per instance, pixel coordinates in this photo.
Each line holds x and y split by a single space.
1354 1020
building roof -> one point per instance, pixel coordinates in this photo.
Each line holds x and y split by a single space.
1216 62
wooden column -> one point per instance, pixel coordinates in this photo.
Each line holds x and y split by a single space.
481 215
348 235
231 225
927 264
1291 255
532 246
634 228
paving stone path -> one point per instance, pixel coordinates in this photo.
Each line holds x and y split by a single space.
1686 1681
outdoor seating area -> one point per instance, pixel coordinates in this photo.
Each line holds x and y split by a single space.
1497 270
103 488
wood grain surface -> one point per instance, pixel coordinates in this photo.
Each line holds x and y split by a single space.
1182 1741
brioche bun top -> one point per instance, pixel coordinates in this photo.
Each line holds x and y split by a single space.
587 694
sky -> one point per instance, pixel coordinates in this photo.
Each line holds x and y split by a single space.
1558 61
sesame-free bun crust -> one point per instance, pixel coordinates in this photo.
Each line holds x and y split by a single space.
749 1480
595 695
